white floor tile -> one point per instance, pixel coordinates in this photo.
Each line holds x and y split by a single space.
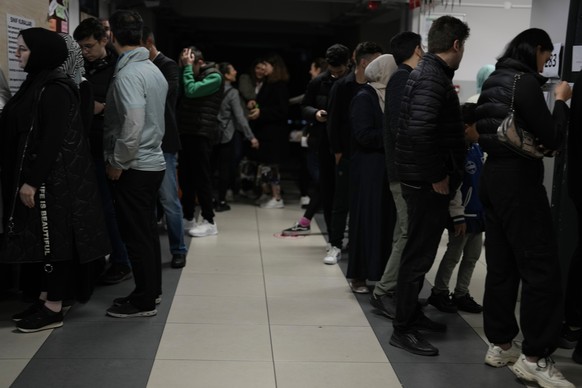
218 284
10 369
219 310
215 342
316 311
211 374
326 343
308 287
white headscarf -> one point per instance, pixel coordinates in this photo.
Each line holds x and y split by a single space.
378 73
74 64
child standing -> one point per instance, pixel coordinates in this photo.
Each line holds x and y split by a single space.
466 233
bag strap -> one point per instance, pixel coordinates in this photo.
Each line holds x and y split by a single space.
515 78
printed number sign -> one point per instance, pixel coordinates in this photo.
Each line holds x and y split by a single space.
552 66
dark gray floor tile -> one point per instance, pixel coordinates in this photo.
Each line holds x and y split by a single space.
85 373
124 338
454 376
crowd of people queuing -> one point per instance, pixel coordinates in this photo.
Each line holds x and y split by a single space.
92 143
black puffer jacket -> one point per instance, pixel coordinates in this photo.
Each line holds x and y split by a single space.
315 99
530 107
430 142
199 116
70 223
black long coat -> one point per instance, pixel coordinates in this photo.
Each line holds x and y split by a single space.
69 223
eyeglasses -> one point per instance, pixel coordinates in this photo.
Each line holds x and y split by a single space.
88 46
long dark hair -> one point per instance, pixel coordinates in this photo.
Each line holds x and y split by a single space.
524 47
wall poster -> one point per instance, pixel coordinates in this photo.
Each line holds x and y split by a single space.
58 15
14 25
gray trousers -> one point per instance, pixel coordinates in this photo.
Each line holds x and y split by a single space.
387 285
469 247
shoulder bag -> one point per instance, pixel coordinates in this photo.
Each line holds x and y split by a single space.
516 138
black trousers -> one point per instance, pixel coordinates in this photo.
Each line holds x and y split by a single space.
194 176
135 199
326 182
428 213
520 246
573 304
340 202
223 155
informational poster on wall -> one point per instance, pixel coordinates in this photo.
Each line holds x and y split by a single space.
58 15
427 23
14 25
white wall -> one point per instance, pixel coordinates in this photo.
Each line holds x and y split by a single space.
492 27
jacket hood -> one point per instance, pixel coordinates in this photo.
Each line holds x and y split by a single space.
136 55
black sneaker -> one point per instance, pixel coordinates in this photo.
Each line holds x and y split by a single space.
425 323
178 260
296 230
467 303
43 319
31 309
128 310
125 299
442 301
116 274
385 304
222 207
413 342
568 337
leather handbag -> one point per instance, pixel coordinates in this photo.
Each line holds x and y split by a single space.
516 138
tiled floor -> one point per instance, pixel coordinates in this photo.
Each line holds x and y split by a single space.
250 310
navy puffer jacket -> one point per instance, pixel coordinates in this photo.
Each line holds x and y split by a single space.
430 142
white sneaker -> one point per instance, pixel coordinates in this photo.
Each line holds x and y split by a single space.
204 229
333 255
498 357
189 224
542 372
273 204
229 197
264 198
305 200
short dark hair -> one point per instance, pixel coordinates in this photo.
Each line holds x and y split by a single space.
468 112
126 26
337 55
524 47
403 45
146 32
364 49
321 64
443 33
223 67
198 56
89 27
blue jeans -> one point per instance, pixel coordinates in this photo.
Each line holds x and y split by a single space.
118 249
172 207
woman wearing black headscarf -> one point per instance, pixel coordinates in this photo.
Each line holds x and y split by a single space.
52 219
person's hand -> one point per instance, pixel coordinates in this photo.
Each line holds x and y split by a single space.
251 104
563 91
442 187
338 157
460 230
187 57
471 134
254 114
113 173
255 143
99 108
26 194
321 116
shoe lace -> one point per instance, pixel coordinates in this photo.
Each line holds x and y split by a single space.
553 372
